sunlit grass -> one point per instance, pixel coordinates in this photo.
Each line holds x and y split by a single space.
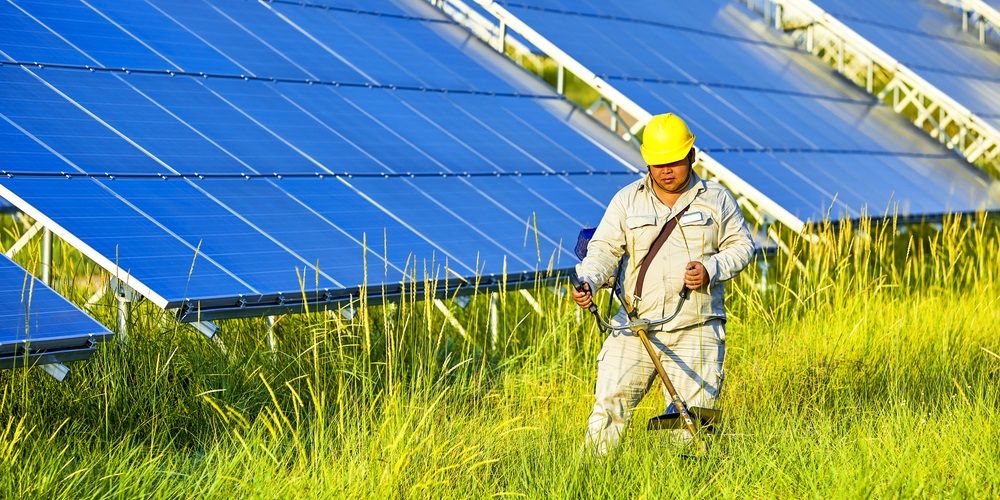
868 371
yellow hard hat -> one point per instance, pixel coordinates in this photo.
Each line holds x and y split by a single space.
666 139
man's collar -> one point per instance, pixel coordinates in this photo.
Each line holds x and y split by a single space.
694 182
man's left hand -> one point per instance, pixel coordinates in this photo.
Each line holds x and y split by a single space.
695 275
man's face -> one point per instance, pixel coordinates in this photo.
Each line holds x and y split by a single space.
671 177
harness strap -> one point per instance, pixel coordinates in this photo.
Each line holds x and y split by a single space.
647 260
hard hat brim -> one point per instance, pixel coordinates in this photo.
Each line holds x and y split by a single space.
664 157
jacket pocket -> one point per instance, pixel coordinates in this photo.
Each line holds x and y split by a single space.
637 221
640 236
699 233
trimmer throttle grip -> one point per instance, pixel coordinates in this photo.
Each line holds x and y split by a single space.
578 285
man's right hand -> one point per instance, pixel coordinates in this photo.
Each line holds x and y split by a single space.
583 299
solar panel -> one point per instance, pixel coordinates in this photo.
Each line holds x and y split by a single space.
925 36
238 159
775 117
37 326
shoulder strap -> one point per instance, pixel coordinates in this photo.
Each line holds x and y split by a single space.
648 259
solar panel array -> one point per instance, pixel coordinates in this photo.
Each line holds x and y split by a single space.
774 116
925 36
38 326
236 158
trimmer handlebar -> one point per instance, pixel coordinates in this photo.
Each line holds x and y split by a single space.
634 322
578 285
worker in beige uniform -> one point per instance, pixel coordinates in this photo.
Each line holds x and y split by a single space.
709 243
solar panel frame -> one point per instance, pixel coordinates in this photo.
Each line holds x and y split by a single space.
38 325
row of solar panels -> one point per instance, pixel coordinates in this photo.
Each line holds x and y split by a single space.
229 159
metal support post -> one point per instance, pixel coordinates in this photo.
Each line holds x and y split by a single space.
494 320
124 295
561 80
840 55
778 22
501 43
870 81
124 311
272 345
762 263
46 256
613 119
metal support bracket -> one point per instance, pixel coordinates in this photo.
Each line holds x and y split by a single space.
23 240
206 328
58 371
347 312
905 91
462 301
209 329
450 318
96 297
531 301
46 256
985 16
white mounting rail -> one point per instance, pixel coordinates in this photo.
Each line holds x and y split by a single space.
479 25
855 57
987 17
762 206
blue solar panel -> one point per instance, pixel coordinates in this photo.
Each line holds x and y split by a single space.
774 116
38 326
258 152
926 36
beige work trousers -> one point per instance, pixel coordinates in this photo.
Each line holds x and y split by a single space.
692 358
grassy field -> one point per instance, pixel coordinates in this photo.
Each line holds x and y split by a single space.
868 369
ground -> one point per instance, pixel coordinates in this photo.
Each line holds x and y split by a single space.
867 369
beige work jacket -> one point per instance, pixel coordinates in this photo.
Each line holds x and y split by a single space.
712 231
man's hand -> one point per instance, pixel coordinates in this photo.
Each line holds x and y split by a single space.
583 299
695 275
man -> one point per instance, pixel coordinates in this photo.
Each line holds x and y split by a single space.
709 244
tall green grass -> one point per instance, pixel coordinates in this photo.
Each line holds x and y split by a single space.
868 366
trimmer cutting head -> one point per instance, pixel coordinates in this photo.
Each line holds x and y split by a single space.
704 418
